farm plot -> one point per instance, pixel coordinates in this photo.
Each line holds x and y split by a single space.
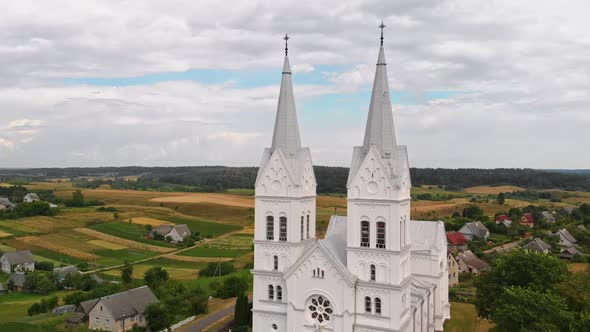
221 213
221 199
4 234
116 257
127 230
148 221
232 246
175 273
42 253
207 228
107 245
17 228
128 243
57 247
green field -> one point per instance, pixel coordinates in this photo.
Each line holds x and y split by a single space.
207 228
214 252
464 318
127 231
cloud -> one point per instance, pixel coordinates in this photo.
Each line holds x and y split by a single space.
522 62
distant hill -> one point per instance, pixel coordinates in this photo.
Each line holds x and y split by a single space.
330 179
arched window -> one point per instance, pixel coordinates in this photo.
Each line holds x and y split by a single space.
279 293
365 242
275 262
377 306
381 234
307 229
322 273
373 272
314 272
302 227
270 228
283 229
367 304
271 292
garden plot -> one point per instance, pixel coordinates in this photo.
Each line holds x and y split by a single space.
222 199
149 221
107 245
4 234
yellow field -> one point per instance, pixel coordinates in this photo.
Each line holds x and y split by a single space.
223 199
149 221
4 234
125 242
492 190
175 273
55 246
107 244
578 267
198 259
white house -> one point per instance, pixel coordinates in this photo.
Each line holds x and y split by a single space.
30 198
121 311
566 239
18 261
475 230
176 232
537 245
5 203
375 270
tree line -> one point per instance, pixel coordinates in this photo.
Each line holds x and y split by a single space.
330 179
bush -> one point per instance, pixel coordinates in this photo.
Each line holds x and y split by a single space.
43 266
231 287
217 269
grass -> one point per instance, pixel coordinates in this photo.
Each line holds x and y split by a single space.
214 252
14 305
116 257
241 191
578 267
214 229
128 231
464 318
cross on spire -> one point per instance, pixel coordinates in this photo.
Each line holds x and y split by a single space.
382 26
286 38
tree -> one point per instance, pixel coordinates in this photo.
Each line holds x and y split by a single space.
158 318
524 309
155 277
241 311
217 269
43 266
517 268
576 291
501 198
198 301
77 198
231 287
127 273
473 212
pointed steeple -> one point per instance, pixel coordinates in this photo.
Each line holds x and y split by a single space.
286 131
380 131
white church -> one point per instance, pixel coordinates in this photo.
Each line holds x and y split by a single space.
375 270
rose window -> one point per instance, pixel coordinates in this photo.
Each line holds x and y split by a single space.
320 310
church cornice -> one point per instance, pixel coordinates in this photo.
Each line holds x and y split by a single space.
283 244
266 273
372 284
283 199
376 201
376 251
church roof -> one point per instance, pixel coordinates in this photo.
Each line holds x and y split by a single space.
286 130
335 240
380 130
428 236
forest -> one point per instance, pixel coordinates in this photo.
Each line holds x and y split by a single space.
330 179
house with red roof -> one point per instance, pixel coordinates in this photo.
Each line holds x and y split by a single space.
527 220
456 241
503 220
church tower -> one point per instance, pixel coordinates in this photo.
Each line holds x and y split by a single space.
285 213
378 235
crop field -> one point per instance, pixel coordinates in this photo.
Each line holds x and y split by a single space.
221 199
47 243
175 273
488 190
4 234
232 246
127 230
220 213
107 245
148 221
129 243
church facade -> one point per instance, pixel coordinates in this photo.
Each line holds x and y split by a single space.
375 269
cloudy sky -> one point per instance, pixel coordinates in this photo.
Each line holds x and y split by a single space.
112 83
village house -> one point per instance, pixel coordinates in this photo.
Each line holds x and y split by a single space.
537 245
548 217
5 203
30 198
469 262
121 311
16 282
503 220
62 272
177 232
453 269
456 241
475 231
527 220
570 252
566 239
2 290
19 261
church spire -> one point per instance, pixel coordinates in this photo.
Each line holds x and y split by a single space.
286 131
380 131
